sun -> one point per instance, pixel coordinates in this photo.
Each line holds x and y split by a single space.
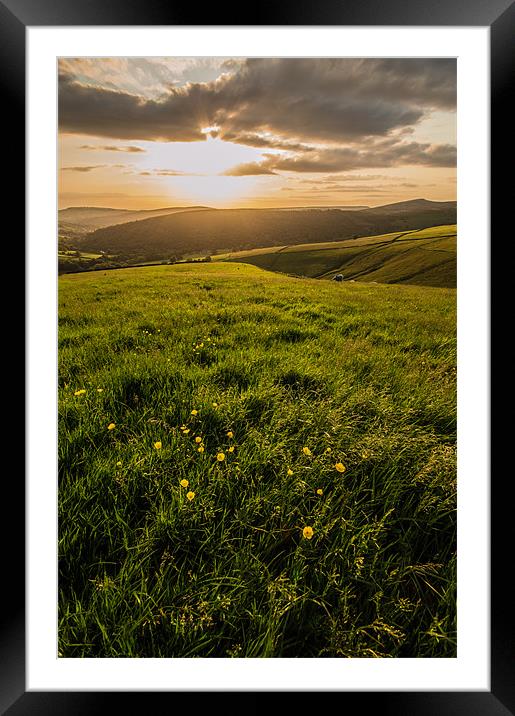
213 190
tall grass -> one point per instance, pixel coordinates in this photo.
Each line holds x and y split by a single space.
257 366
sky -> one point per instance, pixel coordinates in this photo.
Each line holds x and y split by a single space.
151 132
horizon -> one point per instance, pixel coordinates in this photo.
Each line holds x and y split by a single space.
148 133
236 208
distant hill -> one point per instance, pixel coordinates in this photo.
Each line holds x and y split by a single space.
424 258
212 230
75 221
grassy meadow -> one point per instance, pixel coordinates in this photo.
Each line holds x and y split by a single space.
426 257
255 465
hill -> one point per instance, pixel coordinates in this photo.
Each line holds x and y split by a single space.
215 230
254 465
426 257
76 221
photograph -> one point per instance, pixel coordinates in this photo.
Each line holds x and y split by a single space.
258 436
257 357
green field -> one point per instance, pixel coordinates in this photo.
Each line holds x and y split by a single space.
334 407
425 257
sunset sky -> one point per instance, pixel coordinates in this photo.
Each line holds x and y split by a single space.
144 133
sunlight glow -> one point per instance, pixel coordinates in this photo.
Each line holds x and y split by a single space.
215 190
210 157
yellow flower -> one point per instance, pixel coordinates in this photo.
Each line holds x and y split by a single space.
365 454
198 440
100 390
220 457
186 431
190 495
290 472
201 448
111 426
306 451
307 532
328 450
119 463
215 405
184 483
320 491
194 412
340 467
158 445
231 449
80 392
230 434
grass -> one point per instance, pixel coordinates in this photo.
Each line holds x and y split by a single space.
361 374
425 257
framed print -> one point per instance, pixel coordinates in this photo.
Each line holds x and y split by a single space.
249 366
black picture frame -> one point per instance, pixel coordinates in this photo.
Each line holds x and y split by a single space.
499 16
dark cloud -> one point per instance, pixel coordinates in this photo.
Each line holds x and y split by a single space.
328 115
112 148
260 141
86 109
248 169
338 159
293 99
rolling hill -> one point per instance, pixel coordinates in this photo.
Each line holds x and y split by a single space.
76 221
425 258
214 230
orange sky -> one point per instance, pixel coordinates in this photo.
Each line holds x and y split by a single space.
153 132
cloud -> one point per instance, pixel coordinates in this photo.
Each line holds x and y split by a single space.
312 114
385 154
112 148
248 169
292 99
164 173
91 167
90 110
88 168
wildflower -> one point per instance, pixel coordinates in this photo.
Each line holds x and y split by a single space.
201 448
111 426
340 467
80 392
190 495
119 463
306 451
186 431
215 405
307 532
290 471
320 491
157 445
230 434
194 412
198 440
328 451
100 390
220 457
231 449
184 483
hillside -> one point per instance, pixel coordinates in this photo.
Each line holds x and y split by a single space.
75 221
255 466
426 258
214 230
